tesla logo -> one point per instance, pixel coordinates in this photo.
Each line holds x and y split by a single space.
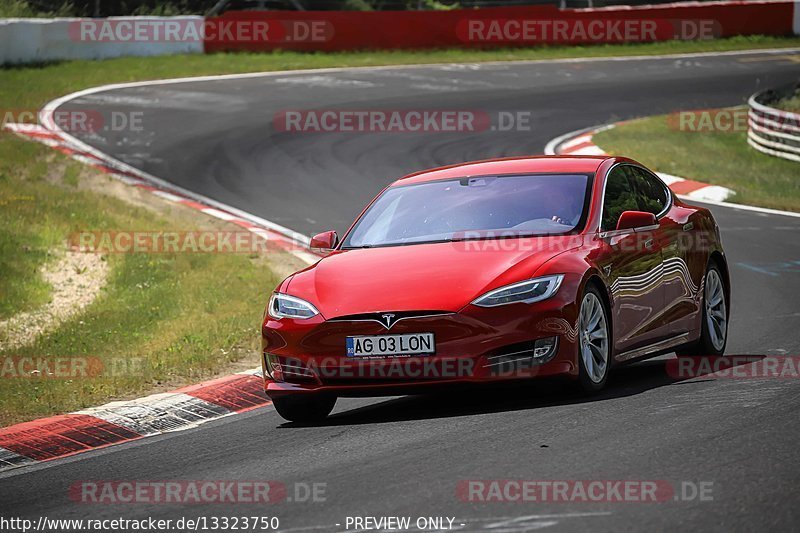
388 320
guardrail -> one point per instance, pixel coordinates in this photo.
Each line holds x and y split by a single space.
773 131
41 40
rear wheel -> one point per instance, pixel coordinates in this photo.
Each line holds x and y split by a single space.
311 408
594 342
714 327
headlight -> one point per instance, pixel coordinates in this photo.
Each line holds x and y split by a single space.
285 306
529 291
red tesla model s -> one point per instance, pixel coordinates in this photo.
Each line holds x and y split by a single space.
497 270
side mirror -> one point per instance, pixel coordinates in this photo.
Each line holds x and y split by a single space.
636 219
325 241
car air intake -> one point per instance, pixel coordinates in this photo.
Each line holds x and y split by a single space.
520 357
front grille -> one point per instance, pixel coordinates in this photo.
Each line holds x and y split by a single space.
389 317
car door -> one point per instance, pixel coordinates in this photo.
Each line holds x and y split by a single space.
633 265
679 289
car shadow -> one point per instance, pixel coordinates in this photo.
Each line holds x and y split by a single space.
627 380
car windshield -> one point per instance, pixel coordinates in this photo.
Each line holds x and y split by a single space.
472 207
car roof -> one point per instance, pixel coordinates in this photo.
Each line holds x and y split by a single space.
555 164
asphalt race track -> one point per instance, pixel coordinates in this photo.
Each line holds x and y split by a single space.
405 456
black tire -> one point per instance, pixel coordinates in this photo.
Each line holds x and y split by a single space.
304 409
585 382
705 345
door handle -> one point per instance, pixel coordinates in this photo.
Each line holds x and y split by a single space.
688 226
648 244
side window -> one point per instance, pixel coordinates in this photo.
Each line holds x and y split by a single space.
619 197
650 193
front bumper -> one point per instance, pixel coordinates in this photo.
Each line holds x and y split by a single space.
473 346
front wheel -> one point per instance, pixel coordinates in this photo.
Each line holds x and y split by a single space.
594 342
304 409
714 327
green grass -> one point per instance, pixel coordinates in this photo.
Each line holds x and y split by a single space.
22 249
17 9
719 158
181 316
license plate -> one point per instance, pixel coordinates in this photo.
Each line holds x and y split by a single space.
407 344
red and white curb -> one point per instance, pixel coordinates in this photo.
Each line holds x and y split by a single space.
581 143
116 422
122 421
282 238
64 435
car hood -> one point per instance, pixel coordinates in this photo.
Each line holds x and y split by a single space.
431 277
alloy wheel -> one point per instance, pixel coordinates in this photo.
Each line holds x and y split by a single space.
716 311
593 331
